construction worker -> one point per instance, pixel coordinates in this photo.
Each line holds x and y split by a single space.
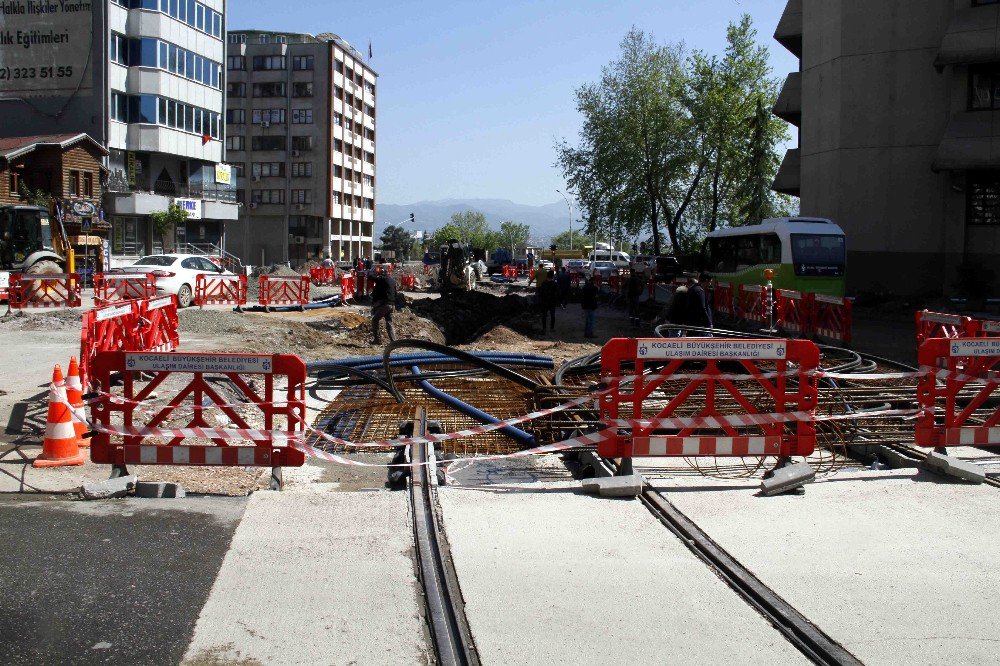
327 261
383 303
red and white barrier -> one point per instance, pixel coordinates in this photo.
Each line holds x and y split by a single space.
777 416
158 325
794 311
275 290
753 303
323 277
346 287
220 290
833 318
109 288
43 290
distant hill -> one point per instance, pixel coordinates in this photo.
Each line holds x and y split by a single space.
545 221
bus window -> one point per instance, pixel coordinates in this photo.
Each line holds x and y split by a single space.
770 249
747 252
818 255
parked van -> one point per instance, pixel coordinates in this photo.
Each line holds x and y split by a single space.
620 259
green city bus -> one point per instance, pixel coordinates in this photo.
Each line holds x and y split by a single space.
807 254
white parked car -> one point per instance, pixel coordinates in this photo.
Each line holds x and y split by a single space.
176 273
605 268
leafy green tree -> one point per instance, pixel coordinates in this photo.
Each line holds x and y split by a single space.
165 222
443 234
398 240
580 239
513 235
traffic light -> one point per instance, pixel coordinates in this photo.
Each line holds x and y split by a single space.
411 218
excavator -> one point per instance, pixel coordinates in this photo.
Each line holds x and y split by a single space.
30 243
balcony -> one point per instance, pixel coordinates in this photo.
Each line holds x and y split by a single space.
788 106
789 177
169 188
789 30
971 37
971 141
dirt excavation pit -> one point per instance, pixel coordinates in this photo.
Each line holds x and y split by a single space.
464 316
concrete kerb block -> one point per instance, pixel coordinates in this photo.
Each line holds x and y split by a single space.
951 466
788 478
159 489
118 487
614 486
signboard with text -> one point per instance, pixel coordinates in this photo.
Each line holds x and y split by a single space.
683 348
191 206
45 47
223 174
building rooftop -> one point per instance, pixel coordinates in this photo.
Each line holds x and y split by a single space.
306 38
15 146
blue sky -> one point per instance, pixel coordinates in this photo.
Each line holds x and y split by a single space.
473 95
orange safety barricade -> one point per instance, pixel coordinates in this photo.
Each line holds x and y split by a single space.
832 317
44 290
123 287
794 311
739 397
320 276
614 283
408 282
941 325
984 328
361 284
531 274
753 303
128 432
970 366
158 327
110 328
346 287
283 290
220 290
724 300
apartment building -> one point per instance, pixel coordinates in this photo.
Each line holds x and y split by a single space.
145 79
897 104
300 134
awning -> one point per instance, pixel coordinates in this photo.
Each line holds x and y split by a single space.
972 37
971 141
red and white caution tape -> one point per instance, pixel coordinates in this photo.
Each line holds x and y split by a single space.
738 420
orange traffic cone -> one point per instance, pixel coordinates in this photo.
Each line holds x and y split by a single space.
74 396
60 447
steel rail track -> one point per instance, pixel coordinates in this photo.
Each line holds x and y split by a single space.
449 627
805 636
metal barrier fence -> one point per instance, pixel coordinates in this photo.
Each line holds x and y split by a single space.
123 287
322 277
220 290
43 290
280 290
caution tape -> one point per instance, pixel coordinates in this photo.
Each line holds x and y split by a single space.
737 420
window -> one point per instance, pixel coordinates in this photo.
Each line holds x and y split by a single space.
336 198
119 107
280 39
302 62
268 143
74 184
369 203
263 39
302 89
237 38
301 196
302 116
234 63
263 63
88 185
236 116
338 172
302 169
369 157
14 183
369 109
235 143
268 169
269 116
239 169
338 92
302 143
349 74
370 134
118 49
370 88
984 87
982 197
338 66
338 145
236 89
338 119
267 196
269 89
818 254
368 180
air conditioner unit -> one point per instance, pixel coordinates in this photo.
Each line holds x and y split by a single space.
265 123
255 179
295 153
300 206
253 204
300 240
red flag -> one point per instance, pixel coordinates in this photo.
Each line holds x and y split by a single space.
205 138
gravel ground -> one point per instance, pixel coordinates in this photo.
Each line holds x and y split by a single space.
54 320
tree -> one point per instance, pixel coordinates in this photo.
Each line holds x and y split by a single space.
513 235
166 222
473 229
398 240
580 239
443 235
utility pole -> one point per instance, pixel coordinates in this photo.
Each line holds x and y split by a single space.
569 205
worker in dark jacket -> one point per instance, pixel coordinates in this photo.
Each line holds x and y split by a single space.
589 302
383 302
699 309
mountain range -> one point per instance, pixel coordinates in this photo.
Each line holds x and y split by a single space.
545 221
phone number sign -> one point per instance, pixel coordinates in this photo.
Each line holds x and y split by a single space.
44 46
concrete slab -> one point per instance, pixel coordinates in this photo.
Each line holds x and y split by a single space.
553 576
315 577
897 565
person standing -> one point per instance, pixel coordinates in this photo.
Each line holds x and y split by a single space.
589 303
633 292
327 261
383 303
699 310
548 298
564 282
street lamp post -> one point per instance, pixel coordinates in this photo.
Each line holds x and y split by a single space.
569 205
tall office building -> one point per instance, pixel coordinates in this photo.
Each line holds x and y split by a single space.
144 78
896 103
300 134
